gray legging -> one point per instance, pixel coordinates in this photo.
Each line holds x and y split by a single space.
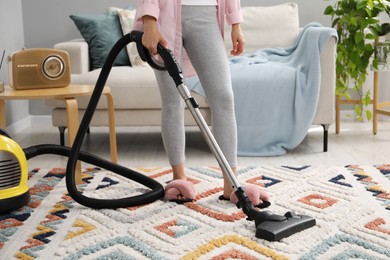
204 45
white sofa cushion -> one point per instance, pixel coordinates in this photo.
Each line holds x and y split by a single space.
278 24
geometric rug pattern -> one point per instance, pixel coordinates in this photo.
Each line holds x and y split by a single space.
351 205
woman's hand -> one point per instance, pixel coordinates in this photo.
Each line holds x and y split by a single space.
238 40
152 35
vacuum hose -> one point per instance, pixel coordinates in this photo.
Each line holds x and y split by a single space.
157 190
74 153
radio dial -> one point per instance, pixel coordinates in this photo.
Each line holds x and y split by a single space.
53 67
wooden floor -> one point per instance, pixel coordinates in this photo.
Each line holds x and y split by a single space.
142 147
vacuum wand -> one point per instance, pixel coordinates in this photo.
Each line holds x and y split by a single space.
269 226
192 105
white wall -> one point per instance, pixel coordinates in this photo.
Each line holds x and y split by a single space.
11 39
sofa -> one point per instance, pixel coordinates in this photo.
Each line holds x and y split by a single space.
136 96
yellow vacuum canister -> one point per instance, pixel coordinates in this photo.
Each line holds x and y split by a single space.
14 192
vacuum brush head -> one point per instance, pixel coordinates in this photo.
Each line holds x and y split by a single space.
274 227
270 226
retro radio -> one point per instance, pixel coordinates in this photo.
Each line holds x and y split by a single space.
39 68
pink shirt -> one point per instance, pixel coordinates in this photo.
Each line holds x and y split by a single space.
169 22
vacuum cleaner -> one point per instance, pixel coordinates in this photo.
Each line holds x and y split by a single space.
14 192
269 226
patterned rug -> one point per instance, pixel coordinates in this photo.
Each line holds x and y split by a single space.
351 205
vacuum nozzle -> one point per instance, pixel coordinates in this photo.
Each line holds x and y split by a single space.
270 226
273 227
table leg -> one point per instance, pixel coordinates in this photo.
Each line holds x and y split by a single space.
73 125
111 123
338 101
2 114
375 105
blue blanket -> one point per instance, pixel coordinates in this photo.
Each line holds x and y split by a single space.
276 93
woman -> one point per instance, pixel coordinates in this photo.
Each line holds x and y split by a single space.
193 30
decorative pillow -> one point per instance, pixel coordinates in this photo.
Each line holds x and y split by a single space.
268 26
126 18
101 32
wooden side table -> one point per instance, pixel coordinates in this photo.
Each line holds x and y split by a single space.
378 106
68 95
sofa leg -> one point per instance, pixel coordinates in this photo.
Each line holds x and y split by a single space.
62 135
326 127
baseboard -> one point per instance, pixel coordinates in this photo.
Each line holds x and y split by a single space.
41 120
27 122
